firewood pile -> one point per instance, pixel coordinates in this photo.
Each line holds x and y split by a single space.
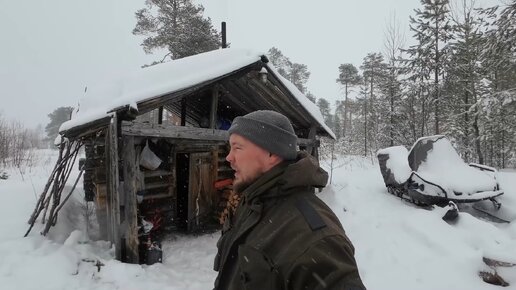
229 203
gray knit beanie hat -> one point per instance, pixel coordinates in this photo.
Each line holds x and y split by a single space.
268 129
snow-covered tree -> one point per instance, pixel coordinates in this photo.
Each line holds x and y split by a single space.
177 26
431 28
465 81
324 107
374 71
296 73
57 117
392 84
348 78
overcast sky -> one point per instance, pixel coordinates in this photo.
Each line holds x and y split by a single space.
50 50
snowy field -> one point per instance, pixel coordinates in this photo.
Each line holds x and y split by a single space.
398 246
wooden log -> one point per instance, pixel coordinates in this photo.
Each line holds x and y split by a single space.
171 131
130 171
113 187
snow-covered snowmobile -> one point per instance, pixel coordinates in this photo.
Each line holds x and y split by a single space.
433 173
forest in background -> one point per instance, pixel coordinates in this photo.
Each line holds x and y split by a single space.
458 78
455 75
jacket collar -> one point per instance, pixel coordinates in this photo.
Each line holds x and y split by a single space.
302 172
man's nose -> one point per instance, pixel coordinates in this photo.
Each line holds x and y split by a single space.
229 157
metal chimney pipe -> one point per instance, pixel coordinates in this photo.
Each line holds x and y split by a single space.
223 32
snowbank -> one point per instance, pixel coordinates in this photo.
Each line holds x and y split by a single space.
398 246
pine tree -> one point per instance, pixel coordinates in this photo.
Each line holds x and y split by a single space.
374 72
311 97
348 78
296 73
177 26
57 117
324 107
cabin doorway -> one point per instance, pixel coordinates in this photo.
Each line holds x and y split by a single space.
195 191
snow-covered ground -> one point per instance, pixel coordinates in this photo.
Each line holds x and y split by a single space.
398 246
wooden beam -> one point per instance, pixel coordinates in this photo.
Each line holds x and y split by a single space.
171 131
130 173
186 134
86 129
307 142
214 105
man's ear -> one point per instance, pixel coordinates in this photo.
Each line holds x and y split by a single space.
274 159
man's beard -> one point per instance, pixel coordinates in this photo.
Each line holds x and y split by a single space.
240 186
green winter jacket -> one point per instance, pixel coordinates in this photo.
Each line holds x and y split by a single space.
282 236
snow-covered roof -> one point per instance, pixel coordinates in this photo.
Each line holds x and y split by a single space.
166 78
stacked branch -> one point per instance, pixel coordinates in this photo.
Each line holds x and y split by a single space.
49 202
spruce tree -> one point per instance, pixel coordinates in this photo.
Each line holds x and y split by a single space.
431 27
465 81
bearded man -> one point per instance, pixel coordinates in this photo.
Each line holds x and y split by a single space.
282 236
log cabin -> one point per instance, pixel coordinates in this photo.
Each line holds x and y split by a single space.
155 142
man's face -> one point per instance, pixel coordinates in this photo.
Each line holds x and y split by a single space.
248 160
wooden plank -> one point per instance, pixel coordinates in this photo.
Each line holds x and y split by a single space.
183 111
155 185
157 196
113 188
130 170
201 190
158 172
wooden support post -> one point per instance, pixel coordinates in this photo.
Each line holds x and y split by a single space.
311 136
130 229
214 105
113 207
160 115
